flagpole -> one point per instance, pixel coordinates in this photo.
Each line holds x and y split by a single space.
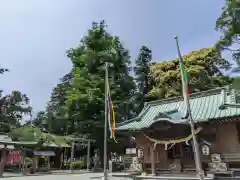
106 123
195 143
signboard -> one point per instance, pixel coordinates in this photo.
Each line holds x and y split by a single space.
44 153
140 153
131 151
205 150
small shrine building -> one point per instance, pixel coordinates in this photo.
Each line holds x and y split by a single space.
163 133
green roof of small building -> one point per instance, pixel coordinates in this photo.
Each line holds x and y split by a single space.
4 139
205 106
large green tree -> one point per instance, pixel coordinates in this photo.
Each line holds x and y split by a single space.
86 95
228 24
56 112
55 118
204 68
38 119
12 108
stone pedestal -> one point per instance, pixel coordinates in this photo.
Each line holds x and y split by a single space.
110 166
136 165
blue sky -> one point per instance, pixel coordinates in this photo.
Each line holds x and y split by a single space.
34 35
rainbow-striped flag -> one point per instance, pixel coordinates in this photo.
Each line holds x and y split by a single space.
110 110
111 116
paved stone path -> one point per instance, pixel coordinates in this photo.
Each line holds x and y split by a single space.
83 176
86 176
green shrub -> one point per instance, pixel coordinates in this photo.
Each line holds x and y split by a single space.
28 162
78 165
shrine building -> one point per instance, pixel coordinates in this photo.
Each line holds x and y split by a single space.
162 132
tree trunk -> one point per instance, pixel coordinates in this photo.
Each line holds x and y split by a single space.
3 161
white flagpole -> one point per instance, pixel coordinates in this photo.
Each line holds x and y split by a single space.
106 123
186 99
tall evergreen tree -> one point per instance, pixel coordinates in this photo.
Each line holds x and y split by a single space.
54 117
142 77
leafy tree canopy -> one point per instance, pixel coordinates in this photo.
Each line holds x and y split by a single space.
12 108
229 24
204 68
86 95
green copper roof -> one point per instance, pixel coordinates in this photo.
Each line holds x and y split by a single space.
205 106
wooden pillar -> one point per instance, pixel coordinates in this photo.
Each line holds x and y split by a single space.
88 155
34 164
181 156
72 155
153 162
48 164
37 162
3 160
63 159
23 161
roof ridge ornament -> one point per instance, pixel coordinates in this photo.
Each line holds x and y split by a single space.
233 96
225 104
223 100
166 115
